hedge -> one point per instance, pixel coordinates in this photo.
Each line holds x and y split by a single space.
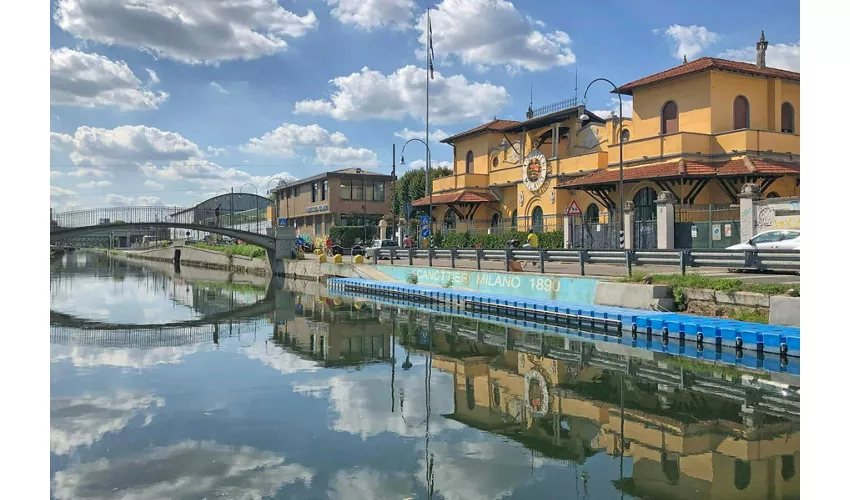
553 239
345 236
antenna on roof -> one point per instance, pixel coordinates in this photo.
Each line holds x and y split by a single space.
576 82
530 113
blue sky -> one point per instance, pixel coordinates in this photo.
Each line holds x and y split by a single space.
168 103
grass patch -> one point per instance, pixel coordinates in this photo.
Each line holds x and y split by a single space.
709 283
243 250
236 287
750 315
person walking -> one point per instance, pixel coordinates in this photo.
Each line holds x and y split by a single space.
329 244
532 242
218 215
407 242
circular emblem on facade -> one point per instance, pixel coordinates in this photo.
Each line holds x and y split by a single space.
536 393
534 171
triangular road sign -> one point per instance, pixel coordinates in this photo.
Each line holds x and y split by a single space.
573 209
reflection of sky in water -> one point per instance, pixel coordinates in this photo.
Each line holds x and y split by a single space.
249 419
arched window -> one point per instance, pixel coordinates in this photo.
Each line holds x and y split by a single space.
743 472
741 113
494 222
470 393
591 215
772 194
787 118
670 118
625 135
469 159
789 468
537 220
513 221
645 204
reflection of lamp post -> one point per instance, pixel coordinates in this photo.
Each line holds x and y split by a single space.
585 117
257 199
428 189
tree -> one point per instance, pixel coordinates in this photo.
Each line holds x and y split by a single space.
411 187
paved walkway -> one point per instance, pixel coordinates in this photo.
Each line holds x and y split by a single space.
604 270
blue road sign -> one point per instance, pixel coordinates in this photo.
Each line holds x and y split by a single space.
424 220
281 221
426 233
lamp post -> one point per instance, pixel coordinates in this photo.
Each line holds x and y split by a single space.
363 190
277 198
428 189
584 117
257 199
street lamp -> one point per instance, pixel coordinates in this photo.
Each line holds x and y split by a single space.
584 117
277 198
363 190
428 189
257 199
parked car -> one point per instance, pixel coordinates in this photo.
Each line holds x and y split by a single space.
778 239
379 244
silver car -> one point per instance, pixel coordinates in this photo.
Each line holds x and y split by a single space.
777 239
378 245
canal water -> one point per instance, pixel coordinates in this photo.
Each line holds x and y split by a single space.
198 384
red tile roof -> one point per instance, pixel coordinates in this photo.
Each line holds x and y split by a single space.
687 168
705 64
495 125
463 196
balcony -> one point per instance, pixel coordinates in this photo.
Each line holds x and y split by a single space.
672 145
460 181
589 162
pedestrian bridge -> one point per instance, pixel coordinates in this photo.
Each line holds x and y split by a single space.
149 337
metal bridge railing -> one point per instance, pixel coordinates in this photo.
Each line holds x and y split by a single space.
764 260
252 220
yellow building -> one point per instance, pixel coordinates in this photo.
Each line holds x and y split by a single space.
700 130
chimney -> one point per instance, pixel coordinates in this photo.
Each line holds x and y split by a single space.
761 49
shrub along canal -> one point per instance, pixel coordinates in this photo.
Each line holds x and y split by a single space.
204 385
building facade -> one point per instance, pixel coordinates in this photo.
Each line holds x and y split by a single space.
700 130
337 198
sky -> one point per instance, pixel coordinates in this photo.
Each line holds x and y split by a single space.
166 102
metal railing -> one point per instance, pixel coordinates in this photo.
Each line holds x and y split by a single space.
252 220
763 260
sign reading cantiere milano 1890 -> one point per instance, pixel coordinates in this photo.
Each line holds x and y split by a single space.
580 290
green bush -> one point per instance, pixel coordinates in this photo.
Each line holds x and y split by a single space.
252 251
345 236
554 239
412 278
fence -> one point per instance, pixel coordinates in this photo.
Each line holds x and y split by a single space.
763 260
546 224
593 234
707 226
777 213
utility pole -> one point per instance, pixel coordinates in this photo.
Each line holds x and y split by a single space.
393 197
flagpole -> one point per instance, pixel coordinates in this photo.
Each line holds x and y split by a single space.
428 74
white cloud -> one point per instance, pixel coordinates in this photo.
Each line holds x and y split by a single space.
780 55
371 94
125 147
187 31
370 14
92 80
689 40
282 141
143 201
280 359
129 358
152 76
153 184
191 469
209 175
346 157
434 164
219 88
216 151
486 33
436 135
614 108
368 484
90 172
55 173
94 184
84 420
58 191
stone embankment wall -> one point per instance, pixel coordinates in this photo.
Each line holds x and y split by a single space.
207 259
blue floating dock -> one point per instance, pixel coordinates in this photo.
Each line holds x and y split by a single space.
712 334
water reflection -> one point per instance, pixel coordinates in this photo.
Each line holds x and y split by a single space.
259 389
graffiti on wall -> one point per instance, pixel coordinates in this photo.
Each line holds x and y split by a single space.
777 214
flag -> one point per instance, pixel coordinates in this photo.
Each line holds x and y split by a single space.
430 46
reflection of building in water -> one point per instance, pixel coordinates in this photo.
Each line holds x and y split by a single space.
337 333
692 430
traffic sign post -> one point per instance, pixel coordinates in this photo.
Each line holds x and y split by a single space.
281 221
426 233
424 220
